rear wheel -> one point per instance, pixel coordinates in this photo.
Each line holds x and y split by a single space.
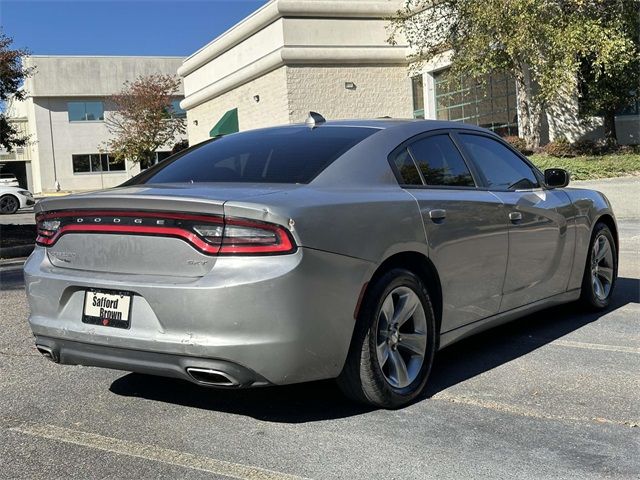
394 343
9 204
601 269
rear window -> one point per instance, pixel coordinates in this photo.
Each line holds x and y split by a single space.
278 155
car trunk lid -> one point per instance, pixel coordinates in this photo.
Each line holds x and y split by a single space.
141 229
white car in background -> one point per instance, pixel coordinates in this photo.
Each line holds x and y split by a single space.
8 180
14 198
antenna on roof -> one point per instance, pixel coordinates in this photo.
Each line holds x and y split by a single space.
314 119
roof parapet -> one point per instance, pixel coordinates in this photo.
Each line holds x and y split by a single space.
276 9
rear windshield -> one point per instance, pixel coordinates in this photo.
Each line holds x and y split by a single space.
277 155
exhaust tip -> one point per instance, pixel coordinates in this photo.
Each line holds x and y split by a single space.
47 352
208 376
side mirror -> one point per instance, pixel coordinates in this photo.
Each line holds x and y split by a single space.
556 177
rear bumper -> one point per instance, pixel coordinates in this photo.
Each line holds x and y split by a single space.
69 352
285 318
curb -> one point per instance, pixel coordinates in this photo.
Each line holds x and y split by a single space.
12 264
16 252
51 194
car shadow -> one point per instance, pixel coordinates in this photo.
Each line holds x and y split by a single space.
300 403
492 348
318 401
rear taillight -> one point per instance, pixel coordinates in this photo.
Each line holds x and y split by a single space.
251 237
211 234
47 229
238 236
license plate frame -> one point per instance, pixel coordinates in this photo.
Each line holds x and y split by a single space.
114 315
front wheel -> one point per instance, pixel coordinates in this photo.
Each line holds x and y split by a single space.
9 204
394 343
601 269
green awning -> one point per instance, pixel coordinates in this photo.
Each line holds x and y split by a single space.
227 124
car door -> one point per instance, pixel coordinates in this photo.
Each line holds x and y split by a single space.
540 243
465 227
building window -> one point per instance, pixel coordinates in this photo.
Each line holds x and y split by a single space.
632 109
176 111
157 158
85 111
490 103
96 163
417 89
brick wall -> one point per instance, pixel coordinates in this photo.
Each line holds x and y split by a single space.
272 109
380 91
289 93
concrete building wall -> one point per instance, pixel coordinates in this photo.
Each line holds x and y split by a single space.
564 121
17 114
238 58
59 139
322 45
18 160
334 32
34 151
91 76
53 138
271 109
287 94
379 91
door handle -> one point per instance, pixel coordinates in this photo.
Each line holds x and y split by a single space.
515 217
437 215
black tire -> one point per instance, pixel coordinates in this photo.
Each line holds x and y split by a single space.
9 204
589 295
362 378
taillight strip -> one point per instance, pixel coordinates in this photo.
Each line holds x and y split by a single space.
227 246
135 229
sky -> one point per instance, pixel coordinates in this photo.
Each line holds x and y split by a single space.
119 27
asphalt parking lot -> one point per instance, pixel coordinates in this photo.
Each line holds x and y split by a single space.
24 216
553 395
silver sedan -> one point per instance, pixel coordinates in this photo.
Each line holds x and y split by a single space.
350 249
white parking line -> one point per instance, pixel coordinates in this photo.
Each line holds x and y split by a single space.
595 346
524 411
150 452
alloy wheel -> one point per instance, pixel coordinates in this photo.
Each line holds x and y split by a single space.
602 268
8 204
401 341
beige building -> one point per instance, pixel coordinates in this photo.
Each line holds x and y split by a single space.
290 57
64 116
293 56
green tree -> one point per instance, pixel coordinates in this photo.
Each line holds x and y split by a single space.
143 120
540 43
12 75
610 88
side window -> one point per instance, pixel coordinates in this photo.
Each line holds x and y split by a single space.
440 162
407 169
502 168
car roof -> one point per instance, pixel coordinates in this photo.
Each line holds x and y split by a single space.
394 123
